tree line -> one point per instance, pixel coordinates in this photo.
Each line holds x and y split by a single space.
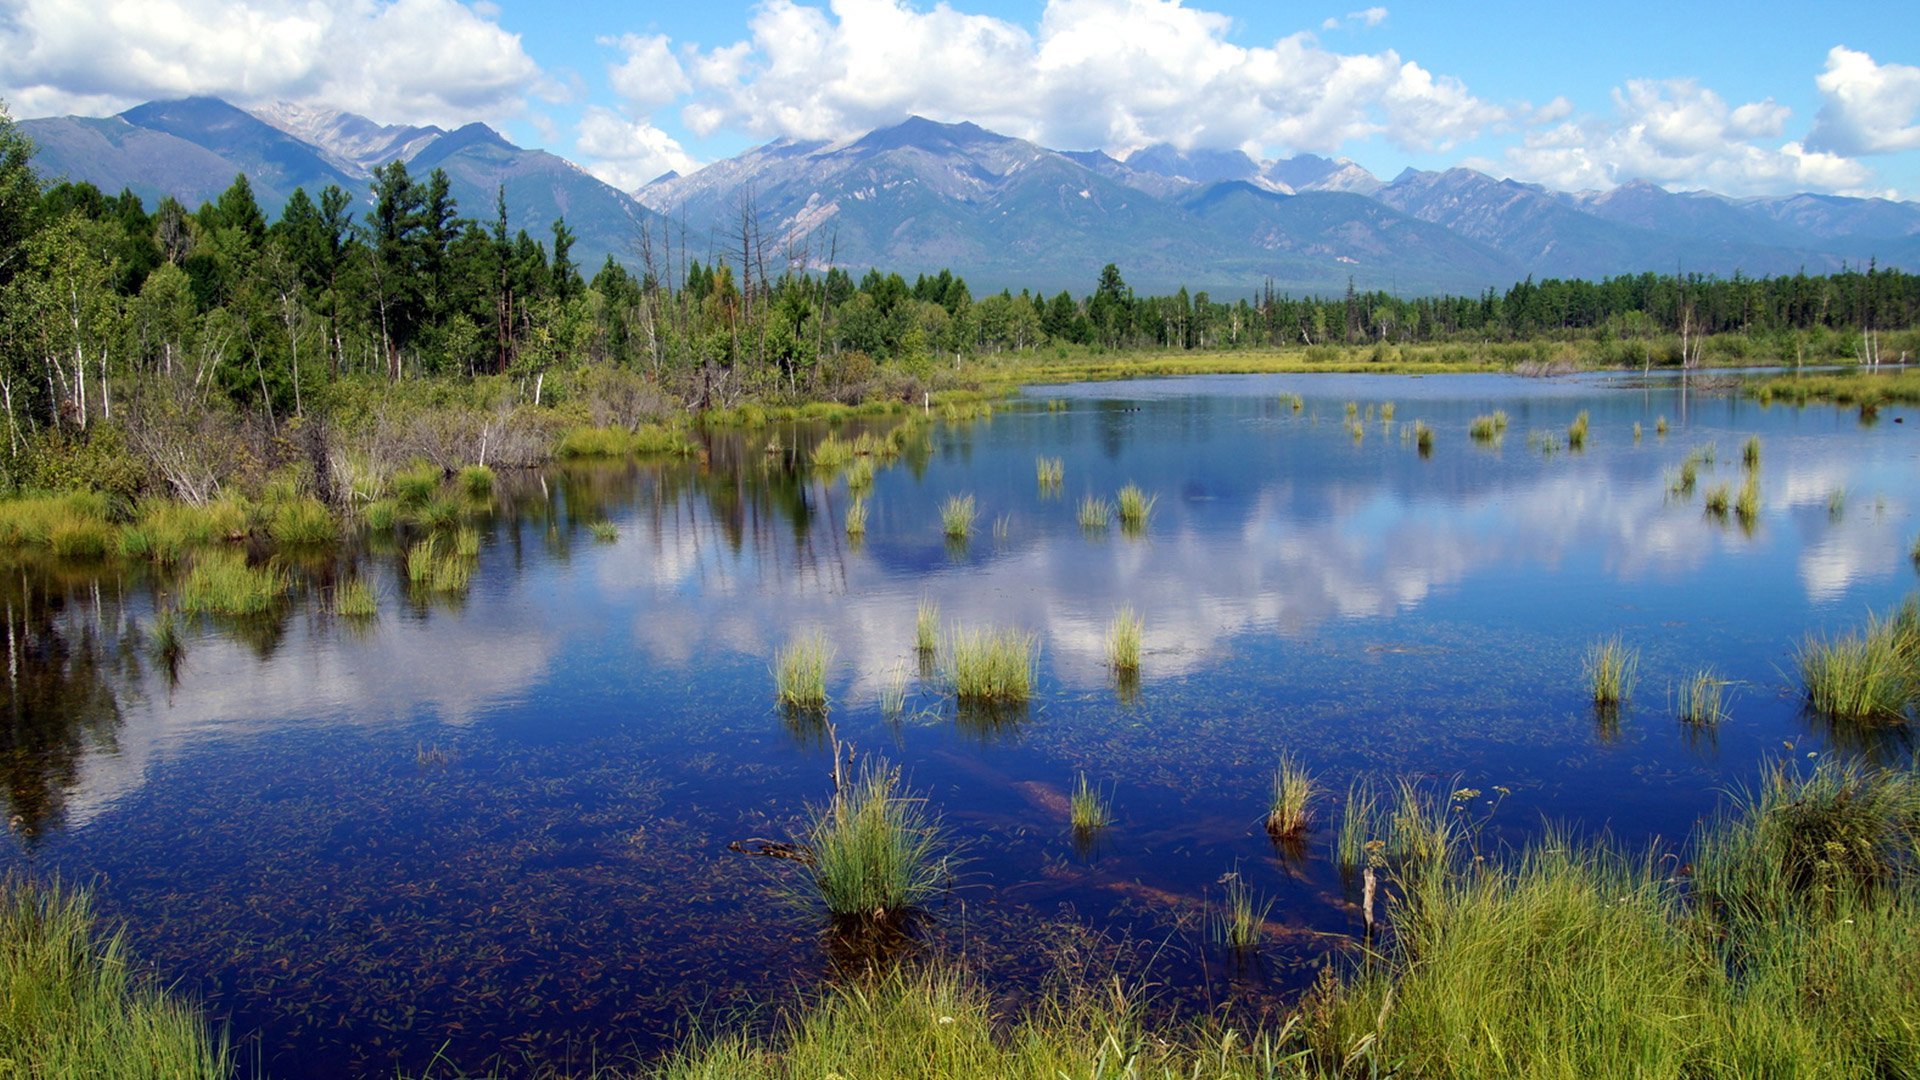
397 282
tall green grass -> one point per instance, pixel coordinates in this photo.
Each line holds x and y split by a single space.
1135 506
1702 699
1487 427
1360 824
304 521
1423 437
1610 665
416 484
1240 922
477 481
1123 640
1577 432
1750 452
856 519
1868 675
222 583
992 666
1660 426
1095 513
1049 472
800 672
926 626
875 849
1088 808
1291 798
1746 505
957 516
354 598
72 1005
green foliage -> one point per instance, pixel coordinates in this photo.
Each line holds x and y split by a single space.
1095 513
990 666
957 516
221 582
1577 432
1290 802
1088 808
1703 699
1135 507
856 522
477 481
1240 923
800 672
606 532
354 599
926 626
875 849
302 521
1870 675
1123 641
1610 665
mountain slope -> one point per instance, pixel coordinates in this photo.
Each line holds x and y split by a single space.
271 158
112 154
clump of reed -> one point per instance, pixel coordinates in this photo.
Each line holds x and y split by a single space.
1095 513
990 666
1660 426
1683 482
1746 506
605 532
79 518
222 583
856 520
1123 641
893 693
1353 409
1488 427
1056 405
1423 437
304 521
957 516
832 454
1135 507
874 849
1386 412
164 639
75 1003
1750 452
1359 825
926 626
1719 500
1357 430
1869 675
1610 665
1577 432
382 514
477 481
644 440
860 474
800 672
1702 699
1294 401
1241 920
434 571
1636 431
1088 808
1049 472
415 484
1837 504
1290 801
354 599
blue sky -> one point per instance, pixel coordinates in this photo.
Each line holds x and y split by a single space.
1752 98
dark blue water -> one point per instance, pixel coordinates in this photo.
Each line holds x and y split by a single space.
494 827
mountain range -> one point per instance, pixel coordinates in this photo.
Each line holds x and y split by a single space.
920 196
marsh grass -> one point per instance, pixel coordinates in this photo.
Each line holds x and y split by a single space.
860 475
222 583
164 640
1294 401
1360 824
957 516
34 521
353 598
1701 700
1719 500
926 626
893 693
1290 801
431 570
1049 472
856 520
1610 666
875 849
1746 505
1636 431
1423 437
1750 452
416 484
1660 426
1095 513
800 672
1487 427
1135 507
1123 641
1683 482
832 454
1240 922
1353 409
605 532
1386 412
382 514
1577 432
1837 504
1868 675
437 514
302 522
477 481
994 666
73 1005
1088 808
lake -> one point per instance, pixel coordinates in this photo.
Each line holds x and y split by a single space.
494 825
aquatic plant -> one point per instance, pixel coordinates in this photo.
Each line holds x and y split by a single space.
1123 640
466 542
1095 513
1702 699
1660 426
1682 483
416 484
353 598
1290 802
893 693
1294 401
1088 807
1359 825
1746 506
860 475
926 625
1423 437
1750 452
1577 432
163 638
437 513
1869 675
957 515
832 454
1836 504
856 521
382 514
1002 525
986 665
302 521
1353 409
477 481
433 571
1487 427
1386 412
222 583
1241 919
1636 431
1135 506
75 1004
1719 499
1049 472
32 522
800 672
874 849
1610 665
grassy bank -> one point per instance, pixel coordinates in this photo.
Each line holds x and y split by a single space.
1867 389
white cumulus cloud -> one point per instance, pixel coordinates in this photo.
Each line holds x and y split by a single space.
1117 74
627 153
1680 134
420 61
1868 108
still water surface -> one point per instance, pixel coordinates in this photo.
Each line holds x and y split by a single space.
495 828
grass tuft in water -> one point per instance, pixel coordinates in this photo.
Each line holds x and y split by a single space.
957 516
1610 665
1290 803
832 454
1488 427
1423 437
1660 426
1088 807
354 599
222 583
800 672
416 484
926 626
860 475
382 515
1359 825
1837 504
1123 641
1636 431
1135 506
1294 401
164 640
1241 921
433 571
1750 452
1746 505
1577 432
1095 513
1702 699
893 693
994 666
605 532
874 849
1719 500
1869 675
477 481
856 522
1049 472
